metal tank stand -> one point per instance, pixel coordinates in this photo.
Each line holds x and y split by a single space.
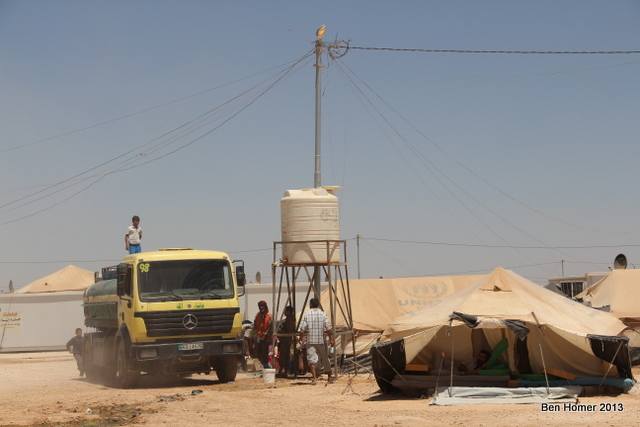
335 300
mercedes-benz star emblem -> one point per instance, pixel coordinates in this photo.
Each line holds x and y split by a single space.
190 321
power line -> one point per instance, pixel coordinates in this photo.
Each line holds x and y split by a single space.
525 52
499 246
146 110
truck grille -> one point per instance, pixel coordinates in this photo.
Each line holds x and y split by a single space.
184 322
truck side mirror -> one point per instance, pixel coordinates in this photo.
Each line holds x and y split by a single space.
124 280
241 278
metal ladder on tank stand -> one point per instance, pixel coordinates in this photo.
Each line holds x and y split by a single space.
290 276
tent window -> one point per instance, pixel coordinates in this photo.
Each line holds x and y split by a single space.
572 289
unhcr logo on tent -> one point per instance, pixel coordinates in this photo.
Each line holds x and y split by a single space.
422 293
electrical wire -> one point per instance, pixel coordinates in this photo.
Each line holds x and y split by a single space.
424 161
241 102
146 110
526 52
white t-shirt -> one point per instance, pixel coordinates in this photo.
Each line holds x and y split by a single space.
134 235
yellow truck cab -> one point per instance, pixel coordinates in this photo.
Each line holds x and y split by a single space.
168 312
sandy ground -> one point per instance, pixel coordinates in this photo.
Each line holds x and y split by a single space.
44 389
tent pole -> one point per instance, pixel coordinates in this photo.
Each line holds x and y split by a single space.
452 358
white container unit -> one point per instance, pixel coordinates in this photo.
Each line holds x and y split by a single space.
308 215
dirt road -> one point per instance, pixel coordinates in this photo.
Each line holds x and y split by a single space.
44 389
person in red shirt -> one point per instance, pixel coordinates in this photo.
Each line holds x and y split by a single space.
262 325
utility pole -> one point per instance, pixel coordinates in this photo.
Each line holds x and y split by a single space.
316 176
318 65
358 245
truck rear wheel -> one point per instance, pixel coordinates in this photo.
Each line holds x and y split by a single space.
227 369
124 377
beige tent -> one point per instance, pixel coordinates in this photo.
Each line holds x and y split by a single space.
619 291
377 302
70 278
619 294
543 330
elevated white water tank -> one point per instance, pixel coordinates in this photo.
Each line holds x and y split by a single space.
307 215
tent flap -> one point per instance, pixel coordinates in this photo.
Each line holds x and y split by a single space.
517 328
387 359
614 350
471 321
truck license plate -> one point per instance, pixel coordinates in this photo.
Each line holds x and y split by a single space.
191 346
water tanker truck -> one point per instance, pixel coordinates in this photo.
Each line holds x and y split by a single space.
169 312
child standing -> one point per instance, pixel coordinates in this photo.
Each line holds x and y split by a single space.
75 347
133 236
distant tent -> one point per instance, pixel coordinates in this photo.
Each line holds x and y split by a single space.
543 330
618 293
70 278
377 302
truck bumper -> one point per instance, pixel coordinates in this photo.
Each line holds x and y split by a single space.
190 350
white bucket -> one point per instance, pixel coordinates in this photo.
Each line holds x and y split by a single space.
269 376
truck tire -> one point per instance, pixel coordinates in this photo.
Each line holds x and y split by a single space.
125 378
227 369
90 370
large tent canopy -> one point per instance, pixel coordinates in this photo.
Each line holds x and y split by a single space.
543 330
70 278
377 302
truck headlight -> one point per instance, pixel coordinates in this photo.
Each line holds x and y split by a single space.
230 348
148 353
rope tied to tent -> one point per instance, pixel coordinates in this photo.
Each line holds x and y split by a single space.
544 366
610 364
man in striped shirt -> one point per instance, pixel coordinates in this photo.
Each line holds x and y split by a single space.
314 324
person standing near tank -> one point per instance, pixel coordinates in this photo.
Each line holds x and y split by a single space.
262 326
287 326
133 236
314 325
75 346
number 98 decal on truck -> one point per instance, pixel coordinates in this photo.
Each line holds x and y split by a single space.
169 312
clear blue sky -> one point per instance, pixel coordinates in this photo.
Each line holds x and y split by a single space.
451 163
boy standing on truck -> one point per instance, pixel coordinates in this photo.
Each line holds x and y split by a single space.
75 347
133 236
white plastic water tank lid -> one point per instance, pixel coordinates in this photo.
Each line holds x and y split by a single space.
328 188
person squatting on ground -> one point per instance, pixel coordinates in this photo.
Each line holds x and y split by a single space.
75 346
133 236
314 325
262 325
287 326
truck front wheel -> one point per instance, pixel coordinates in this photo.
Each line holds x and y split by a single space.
125 378
226 369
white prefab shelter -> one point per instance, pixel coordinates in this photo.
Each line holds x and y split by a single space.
544 331
44 314
39 321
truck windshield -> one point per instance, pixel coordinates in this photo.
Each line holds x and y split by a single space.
184 280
